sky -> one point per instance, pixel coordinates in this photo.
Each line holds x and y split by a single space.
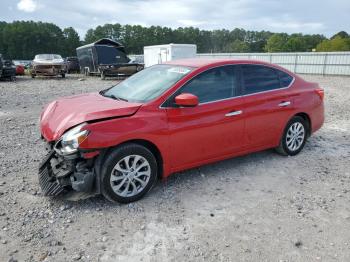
291 16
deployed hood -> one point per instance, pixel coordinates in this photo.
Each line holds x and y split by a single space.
62 114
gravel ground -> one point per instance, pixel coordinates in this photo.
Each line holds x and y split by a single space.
260 207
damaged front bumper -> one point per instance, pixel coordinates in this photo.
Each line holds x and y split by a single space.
59 174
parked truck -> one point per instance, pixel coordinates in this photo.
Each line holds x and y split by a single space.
106 57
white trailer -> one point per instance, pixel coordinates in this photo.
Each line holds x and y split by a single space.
158 54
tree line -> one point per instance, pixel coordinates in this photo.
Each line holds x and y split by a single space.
25 39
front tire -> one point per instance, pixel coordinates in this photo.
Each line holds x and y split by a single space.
294 137
128 173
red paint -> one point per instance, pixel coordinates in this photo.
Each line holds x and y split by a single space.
188 136
186 100
91 154
320 92
67 112
19 70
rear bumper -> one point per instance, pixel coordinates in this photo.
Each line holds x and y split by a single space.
60 174
120 69
317 118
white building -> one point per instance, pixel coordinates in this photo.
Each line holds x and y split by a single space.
158 54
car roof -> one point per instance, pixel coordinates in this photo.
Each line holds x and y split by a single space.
202 62
48 54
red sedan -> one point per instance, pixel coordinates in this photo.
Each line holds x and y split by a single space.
19 68
172 117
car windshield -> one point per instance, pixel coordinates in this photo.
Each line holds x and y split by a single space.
47 57
148 83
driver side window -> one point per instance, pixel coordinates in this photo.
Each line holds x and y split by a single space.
214 84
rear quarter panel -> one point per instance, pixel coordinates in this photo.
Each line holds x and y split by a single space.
307 101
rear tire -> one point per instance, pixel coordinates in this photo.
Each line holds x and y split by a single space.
103 76
294 137
129 172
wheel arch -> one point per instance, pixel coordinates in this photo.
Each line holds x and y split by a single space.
303 115
147 144
307 118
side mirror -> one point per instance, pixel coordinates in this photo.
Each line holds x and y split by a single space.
186 100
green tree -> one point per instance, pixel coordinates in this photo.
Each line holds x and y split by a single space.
336 44
341 34
277 43
311 41
71 41
25 39
237 46
295 43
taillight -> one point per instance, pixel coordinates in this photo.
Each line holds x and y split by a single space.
320 93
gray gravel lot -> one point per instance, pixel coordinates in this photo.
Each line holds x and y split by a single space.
260 207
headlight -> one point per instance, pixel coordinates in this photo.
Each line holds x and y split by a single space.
71 140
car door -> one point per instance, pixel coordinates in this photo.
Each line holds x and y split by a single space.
212 129
267 104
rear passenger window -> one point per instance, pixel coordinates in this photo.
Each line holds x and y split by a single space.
214 84
285 79
259 79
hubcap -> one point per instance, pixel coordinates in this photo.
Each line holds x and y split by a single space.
295 136
130 175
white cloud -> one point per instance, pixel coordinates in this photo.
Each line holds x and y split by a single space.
189 22
297 26
291 16
28 6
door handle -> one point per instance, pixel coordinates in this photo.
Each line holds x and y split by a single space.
284 104
234 113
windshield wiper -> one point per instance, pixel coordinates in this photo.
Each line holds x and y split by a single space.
116 98
102 93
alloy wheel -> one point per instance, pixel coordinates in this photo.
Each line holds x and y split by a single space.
295 136
130 175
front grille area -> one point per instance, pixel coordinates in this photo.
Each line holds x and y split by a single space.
48 182
39 67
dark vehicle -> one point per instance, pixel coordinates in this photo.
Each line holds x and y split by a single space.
7 69
72 64
106 57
